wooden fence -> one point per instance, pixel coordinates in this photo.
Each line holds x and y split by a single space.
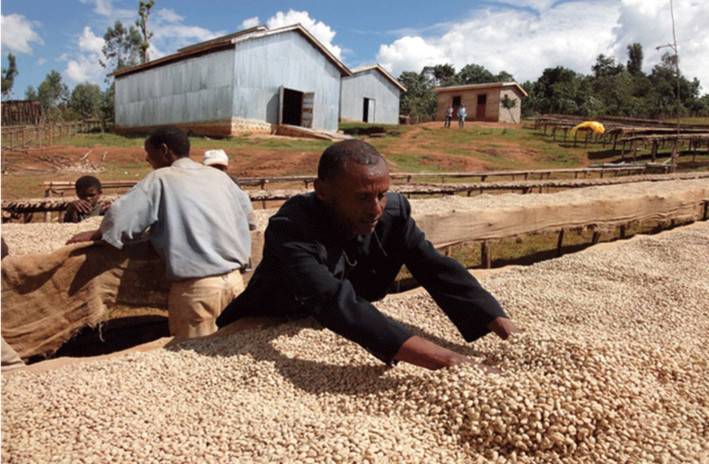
36 136
54 201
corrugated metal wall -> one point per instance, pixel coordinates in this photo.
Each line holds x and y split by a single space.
370 84
192 90
263 65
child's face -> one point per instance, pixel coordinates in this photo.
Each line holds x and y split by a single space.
91 194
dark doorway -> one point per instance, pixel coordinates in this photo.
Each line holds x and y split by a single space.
480 110
368 110
292 107
456 101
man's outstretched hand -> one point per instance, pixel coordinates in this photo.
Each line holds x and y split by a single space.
421 352
503 327
88 236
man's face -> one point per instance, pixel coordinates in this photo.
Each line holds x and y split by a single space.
357 196
157 157
91 194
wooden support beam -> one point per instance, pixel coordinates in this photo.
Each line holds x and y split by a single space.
486 255
596 237
559 242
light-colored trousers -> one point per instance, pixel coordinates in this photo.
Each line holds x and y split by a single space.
195 304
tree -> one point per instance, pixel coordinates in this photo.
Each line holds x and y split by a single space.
107 109
635 59
606 66
509 103
31 93
142 23
52 93
86 100
475 74
122 47
8 76
504 76
418 101
440 75
561 90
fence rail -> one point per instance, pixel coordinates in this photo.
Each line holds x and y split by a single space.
35 136
24 209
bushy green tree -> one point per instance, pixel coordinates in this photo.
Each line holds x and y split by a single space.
31 93
8 76
107 108
475 74
418 101
635 59
440 75
122 47
86 100
53 95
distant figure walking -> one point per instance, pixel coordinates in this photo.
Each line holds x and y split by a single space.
449 116
462 113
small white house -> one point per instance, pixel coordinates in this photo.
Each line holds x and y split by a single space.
371 95
483 102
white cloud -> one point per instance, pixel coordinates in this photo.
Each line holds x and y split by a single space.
524 38
88 42
105 8
649 23
320 30
84 65
84 68
249 23
169 15
515 40
41 61
410 54
18 34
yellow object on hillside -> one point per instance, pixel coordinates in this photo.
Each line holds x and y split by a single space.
594 126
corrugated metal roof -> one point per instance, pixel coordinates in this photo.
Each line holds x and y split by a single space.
490 85
383 71
230 40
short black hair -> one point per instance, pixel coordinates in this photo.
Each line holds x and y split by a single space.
336 155
84 183
175 139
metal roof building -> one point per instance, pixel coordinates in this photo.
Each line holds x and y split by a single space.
370 95
249 81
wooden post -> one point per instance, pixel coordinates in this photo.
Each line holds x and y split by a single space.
485 255
559 242
596 237
653 152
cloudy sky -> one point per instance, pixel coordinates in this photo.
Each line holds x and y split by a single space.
521 37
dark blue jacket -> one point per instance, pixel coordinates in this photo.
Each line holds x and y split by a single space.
309 267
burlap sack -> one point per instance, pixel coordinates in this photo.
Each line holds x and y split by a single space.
48 298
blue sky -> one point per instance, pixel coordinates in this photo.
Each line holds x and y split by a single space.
520 37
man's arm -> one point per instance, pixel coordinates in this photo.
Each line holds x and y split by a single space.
88 236
423 353
473 310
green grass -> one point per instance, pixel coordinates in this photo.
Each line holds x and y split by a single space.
199 143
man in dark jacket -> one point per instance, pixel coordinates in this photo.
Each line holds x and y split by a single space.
331 252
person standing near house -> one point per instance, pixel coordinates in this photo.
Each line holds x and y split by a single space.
449 116
462 113
197 219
